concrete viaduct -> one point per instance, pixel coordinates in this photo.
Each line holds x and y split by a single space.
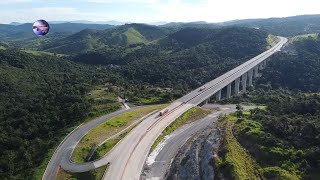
232 80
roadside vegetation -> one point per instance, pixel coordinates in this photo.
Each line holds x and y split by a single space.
95 174
108 129
235 162
248 151
272 40
191 115
102 100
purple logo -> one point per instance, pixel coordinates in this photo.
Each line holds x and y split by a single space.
41 27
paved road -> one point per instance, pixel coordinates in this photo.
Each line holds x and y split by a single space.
128 156
134 148
71 141
215 85
160 159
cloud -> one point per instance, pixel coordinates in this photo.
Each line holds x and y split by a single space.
14 1
155 10
124 1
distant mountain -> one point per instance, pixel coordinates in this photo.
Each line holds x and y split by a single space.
287 26
15 23
121 36
24 31
114 23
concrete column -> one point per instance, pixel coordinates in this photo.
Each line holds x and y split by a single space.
229 91
250 74
218 95
265 63
256 71
244 82
237 84
261 66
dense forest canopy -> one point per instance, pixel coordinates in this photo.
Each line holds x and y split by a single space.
284 139
41 96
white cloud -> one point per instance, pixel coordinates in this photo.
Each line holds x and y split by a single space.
124 1
14 1
162 10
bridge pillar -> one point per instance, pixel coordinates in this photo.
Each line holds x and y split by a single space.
261 66
229 90
237 84
218 95
244 82
256 71
265 63
250 74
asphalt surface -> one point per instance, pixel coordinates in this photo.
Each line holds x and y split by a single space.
71 141
129 155
159 161
197 96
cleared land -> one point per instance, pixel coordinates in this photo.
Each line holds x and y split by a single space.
108 129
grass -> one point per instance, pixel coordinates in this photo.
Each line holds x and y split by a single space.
146 101
103 102
134 37
303 36
191 115
39 53
107 129
271 41
237 162
95 174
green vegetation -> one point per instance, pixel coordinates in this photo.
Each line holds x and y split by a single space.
106 147
303 37
236 163
272 40
96 174
284 137
191 115
134 37
102 100
42 99
106 130
42 96
42 53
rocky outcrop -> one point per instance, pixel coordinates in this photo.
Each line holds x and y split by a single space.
194 160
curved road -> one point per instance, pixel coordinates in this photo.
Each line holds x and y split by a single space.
128 156
70 142
160 159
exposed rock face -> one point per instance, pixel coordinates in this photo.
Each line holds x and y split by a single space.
194 160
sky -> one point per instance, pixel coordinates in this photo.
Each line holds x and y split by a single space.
147 11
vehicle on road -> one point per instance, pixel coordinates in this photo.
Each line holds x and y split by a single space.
202 88
163 112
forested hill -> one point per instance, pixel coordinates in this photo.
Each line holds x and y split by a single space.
185 59
90 40
284 138
40 97
298 70
287 26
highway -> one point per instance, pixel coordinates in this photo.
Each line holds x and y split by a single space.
129 155
160 159
134 148
70 142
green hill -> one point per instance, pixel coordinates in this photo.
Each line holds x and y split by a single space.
129 35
